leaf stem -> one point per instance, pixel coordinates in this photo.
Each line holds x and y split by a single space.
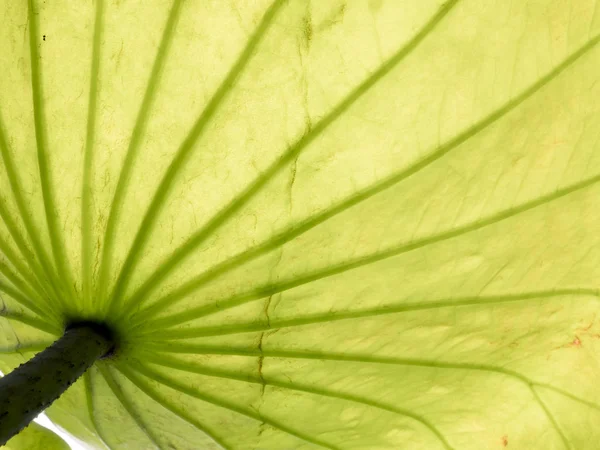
33 386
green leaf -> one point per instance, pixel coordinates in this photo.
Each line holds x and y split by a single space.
314 224
36 437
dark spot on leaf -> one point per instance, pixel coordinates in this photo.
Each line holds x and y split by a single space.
307 28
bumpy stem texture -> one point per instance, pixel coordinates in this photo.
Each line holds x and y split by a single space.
34 385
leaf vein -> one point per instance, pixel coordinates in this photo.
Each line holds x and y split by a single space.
365 194
288 157
183 154
116 389
372 312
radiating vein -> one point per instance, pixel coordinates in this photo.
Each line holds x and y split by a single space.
17 190
287 157
155 328
166 361
89 397
363 195
25 252
183 154
24 288
169 405
133 148
12 257
56 239
201 349
40 310
33 322
270 289
369 359
181 387
116 389
87 188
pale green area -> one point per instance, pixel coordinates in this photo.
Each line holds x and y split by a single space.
36 437
365 224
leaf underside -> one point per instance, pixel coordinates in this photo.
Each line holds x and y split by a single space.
314 224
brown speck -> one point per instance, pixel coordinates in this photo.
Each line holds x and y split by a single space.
504 441
576 342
